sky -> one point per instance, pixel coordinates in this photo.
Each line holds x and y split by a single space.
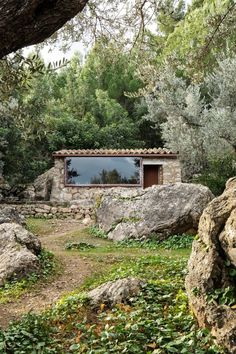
54 53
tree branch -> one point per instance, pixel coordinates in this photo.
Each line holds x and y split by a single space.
27 22
222 19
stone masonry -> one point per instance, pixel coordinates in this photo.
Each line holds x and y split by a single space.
50 211
171 172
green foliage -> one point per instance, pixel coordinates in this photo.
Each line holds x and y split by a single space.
157 320
223 296
176 242
31 335
78 107
196 120
206 30
217 173
81 246
15 288
97 232
173 242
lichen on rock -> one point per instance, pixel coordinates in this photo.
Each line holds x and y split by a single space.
162 210
115 292
211 281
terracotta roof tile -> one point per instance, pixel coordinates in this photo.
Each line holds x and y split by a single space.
101 152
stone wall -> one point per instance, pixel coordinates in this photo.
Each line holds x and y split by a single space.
171 169
88 196
50 211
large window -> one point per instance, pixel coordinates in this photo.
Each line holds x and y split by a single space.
102 170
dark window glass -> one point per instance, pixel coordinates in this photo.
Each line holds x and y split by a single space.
102 170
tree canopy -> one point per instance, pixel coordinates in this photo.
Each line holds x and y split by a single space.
164 88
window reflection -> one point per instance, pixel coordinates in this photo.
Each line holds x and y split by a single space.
102 170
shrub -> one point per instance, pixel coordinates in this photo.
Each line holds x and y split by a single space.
217 173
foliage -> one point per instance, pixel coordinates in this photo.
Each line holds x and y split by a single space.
81 106
223 296
28 336
155 321
197 120
97 232
81 246
15 288
217 173
176 242
16 74
173 242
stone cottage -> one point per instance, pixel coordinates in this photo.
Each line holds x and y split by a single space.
79 173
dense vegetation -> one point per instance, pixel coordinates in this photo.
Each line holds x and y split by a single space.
175 87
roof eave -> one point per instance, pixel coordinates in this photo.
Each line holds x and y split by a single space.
169 155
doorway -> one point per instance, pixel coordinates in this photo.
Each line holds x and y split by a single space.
151 175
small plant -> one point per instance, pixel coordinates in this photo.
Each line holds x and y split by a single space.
97 232
30 335
222 296
80 246
174 242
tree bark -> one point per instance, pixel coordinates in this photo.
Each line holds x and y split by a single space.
26 22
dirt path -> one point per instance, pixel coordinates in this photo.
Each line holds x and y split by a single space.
74 271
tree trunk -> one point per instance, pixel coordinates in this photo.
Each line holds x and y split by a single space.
26 22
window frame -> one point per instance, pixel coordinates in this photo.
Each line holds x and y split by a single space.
140 184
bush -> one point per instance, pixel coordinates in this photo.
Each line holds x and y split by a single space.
217 173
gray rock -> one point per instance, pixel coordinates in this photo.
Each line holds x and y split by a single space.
18 252
115 292
209 271
42 186
161 210
10 214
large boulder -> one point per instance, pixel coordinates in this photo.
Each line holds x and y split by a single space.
161 210
41 187
115 292
211 282
10 214
18 252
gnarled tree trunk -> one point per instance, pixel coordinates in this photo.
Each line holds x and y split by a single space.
26 22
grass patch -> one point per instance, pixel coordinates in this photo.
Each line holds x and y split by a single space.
174 242
157 321
15 288
97 232
153 242
40 226
81 246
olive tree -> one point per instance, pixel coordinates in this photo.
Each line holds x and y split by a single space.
197 120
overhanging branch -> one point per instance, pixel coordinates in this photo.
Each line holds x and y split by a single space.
27 22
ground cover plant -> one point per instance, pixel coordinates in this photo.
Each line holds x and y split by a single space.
157 321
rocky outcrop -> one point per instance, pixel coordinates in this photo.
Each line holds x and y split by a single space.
161 210
18 252
115 292
42 186
10 214
211 281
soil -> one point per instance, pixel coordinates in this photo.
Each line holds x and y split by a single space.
74 270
